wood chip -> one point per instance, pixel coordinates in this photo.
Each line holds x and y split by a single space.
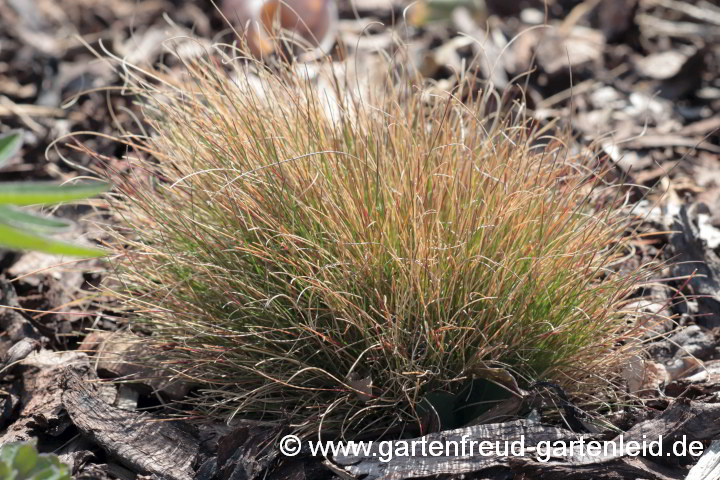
139 441
709 464
693 260
692 421
371 467
662 141
42 407
30 110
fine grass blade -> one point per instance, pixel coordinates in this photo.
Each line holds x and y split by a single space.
31 221
38 193
16 239
10 144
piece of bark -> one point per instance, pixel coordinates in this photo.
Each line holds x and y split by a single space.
666 140
76 453
103 471
55 291
11 320
413 466
616 469
142 443
708 13
654 27
694 420
709 464
683 420
247 451
580 50
662 65
615 18
701 127
127 397
76 460
693 258
302 469
41 403
9 404
19 351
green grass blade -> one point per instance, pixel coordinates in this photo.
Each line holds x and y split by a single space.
38 193
31 221
10 144
16 239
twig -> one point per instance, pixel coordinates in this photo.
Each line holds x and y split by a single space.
709 13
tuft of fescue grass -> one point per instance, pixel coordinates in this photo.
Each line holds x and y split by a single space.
336 263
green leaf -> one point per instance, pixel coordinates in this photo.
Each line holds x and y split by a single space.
7 453
25 460
49 468
52 473
10 144
21 461
17 239
6 472
37 193
31 221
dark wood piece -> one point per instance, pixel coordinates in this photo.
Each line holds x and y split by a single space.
694 258
144 444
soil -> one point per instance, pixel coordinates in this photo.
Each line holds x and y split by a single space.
639 80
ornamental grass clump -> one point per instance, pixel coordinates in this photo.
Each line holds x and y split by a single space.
351 265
